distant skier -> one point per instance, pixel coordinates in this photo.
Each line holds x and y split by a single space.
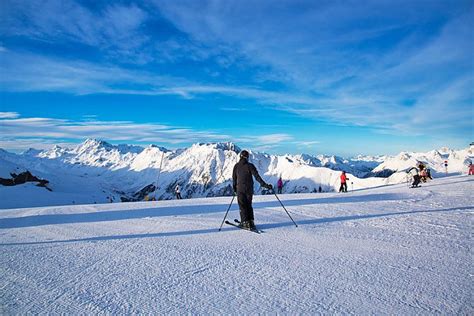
470 170
344 179
177 190
425 173
279 185
416 177
242 177
320 189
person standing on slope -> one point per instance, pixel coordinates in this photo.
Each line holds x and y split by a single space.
279 185
416 177
344 179
242 177
177 190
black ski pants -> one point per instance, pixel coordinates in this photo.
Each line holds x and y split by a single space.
416 180
343 187
245 206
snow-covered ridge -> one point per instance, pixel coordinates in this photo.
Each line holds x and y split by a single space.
457 161
97 171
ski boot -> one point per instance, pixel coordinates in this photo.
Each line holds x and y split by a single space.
249 225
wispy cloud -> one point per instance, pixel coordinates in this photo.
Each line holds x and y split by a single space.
56 130
383 112
273 138
22 133
381 65
307 143
264 143
354 69
28 72
115 28
7 115
19 144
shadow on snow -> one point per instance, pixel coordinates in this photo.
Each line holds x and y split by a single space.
105 216
314 221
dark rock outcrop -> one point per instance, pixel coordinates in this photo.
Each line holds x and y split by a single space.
24 177
385 173
140 195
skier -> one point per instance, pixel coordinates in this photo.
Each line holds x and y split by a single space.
242 177
320 189
279 185
177 190
471 169
344 179
416 181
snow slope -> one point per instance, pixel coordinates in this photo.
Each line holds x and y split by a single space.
386 250
98 172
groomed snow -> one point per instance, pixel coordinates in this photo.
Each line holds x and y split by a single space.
386 250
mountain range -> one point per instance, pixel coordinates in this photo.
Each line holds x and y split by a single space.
98 172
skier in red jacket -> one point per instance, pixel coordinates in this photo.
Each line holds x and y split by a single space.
344 179
471 169
279 185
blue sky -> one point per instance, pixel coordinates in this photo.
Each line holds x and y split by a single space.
334 77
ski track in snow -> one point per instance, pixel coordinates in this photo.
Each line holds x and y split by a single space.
387 250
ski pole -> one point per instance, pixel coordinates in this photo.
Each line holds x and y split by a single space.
284 208
233 196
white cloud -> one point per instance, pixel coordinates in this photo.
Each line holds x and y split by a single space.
273 138
7 115
56 130
267 141
308 143
19 145
114 28
39 132
378 111
322 75
325 54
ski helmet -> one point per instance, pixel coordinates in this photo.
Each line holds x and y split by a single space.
244 154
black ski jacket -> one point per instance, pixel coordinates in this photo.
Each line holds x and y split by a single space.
242 177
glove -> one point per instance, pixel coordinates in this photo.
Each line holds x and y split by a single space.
268 186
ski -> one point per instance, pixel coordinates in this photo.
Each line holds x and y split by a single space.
235 225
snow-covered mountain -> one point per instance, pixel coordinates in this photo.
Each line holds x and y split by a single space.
96 171
457 161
